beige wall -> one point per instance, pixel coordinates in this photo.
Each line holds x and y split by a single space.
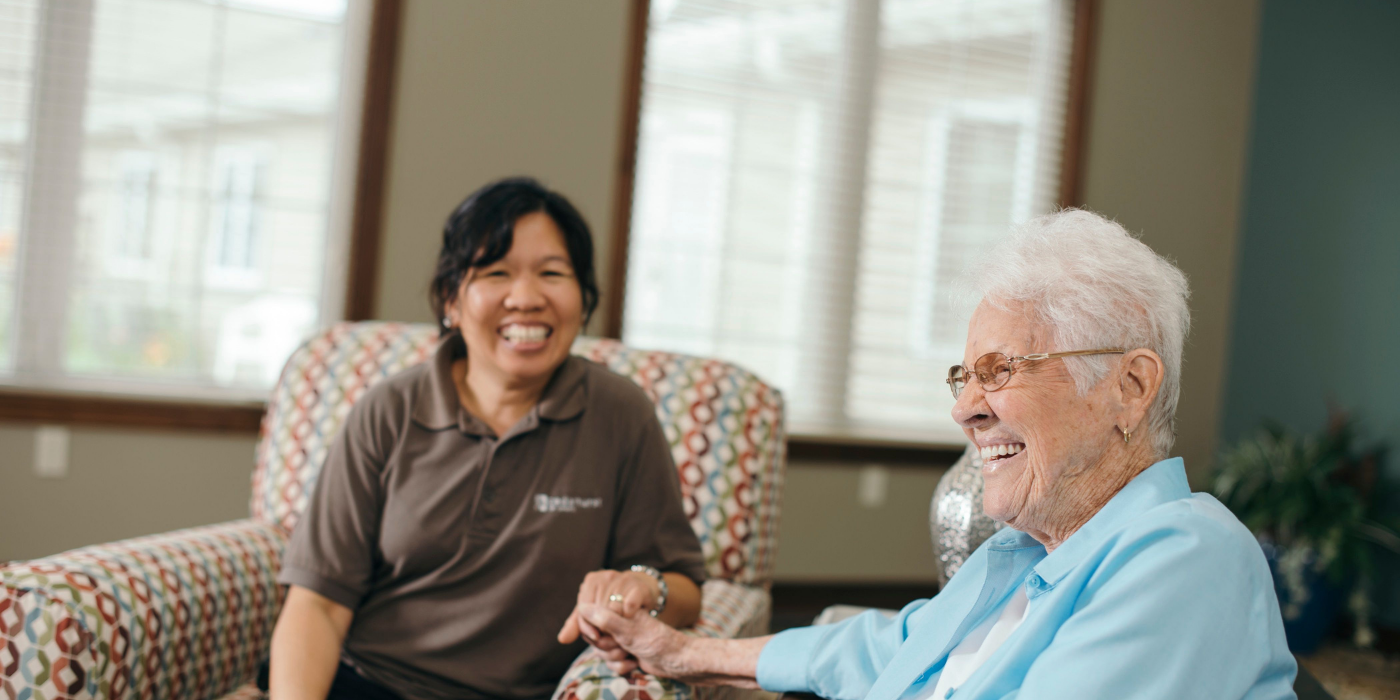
493 89
1166 156
825 535
120 484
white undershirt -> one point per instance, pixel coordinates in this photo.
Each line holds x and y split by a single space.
977 647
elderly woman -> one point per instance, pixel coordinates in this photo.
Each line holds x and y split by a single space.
471 502
1112 580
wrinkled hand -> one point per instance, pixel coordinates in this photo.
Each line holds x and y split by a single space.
629 642
638 593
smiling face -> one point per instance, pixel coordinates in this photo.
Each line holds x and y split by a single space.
519 315
1041 442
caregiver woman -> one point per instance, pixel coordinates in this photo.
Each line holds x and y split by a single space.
471 502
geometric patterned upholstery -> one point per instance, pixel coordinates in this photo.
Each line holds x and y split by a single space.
320 382
726 428
189 614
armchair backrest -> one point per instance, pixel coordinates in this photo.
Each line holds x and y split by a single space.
725 426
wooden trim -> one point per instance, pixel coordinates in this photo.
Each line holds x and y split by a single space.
70 409
795 601
626 175
1075 142
366 223
246 418
891 454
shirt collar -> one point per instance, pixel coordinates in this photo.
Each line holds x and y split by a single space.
1160 483
437 406
567 392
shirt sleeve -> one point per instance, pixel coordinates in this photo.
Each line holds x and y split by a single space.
332 548
1183 612
651 527
839 661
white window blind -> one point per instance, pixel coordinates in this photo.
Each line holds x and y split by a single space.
171 211
812 177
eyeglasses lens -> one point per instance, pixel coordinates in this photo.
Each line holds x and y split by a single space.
956 379
993 370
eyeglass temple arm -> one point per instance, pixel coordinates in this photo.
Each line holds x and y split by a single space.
1072 353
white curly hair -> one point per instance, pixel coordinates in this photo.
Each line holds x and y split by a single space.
1091 284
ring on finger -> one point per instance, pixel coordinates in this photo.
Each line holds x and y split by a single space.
615 598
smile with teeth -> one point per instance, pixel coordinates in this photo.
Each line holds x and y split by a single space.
521 333
992 453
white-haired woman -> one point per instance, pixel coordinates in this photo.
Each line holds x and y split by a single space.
1112 580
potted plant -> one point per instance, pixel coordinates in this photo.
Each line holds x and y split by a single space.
1310 499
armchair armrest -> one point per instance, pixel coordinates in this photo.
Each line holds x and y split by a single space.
186 614
728 611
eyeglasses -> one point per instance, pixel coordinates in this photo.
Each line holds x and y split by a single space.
993 370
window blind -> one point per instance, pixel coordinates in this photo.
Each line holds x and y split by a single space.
167 201
814 175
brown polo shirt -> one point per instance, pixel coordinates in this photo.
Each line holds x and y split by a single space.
461 552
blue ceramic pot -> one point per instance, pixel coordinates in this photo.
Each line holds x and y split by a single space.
1312 618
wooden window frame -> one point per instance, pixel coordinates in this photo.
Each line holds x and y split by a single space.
73 408
814 448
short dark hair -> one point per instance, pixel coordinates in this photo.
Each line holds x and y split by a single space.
481 230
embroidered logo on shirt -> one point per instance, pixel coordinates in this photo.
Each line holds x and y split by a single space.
545 503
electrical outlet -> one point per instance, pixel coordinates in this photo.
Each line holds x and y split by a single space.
51 451
873 486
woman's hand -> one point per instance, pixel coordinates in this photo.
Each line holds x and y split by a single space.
658 649
625 592
631 641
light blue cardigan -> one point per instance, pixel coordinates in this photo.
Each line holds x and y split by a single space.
1162 594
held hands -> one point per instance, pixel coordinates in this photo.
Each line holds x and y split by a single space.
626 592
612 616
629 642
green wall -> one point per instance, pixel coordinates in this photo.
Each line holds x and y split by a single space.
1317 314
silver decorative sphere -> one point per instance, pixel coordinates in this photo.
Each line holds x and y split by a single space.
955 516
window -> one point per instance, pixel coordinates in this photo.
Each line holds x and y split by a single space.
168 213
813 175
237 202
130 218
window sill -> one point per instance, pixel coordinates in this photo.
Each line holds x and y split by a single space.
890 453
937 447
18 406
103 410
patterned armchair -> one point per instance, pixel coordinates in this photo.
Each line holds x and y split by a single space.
189 614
